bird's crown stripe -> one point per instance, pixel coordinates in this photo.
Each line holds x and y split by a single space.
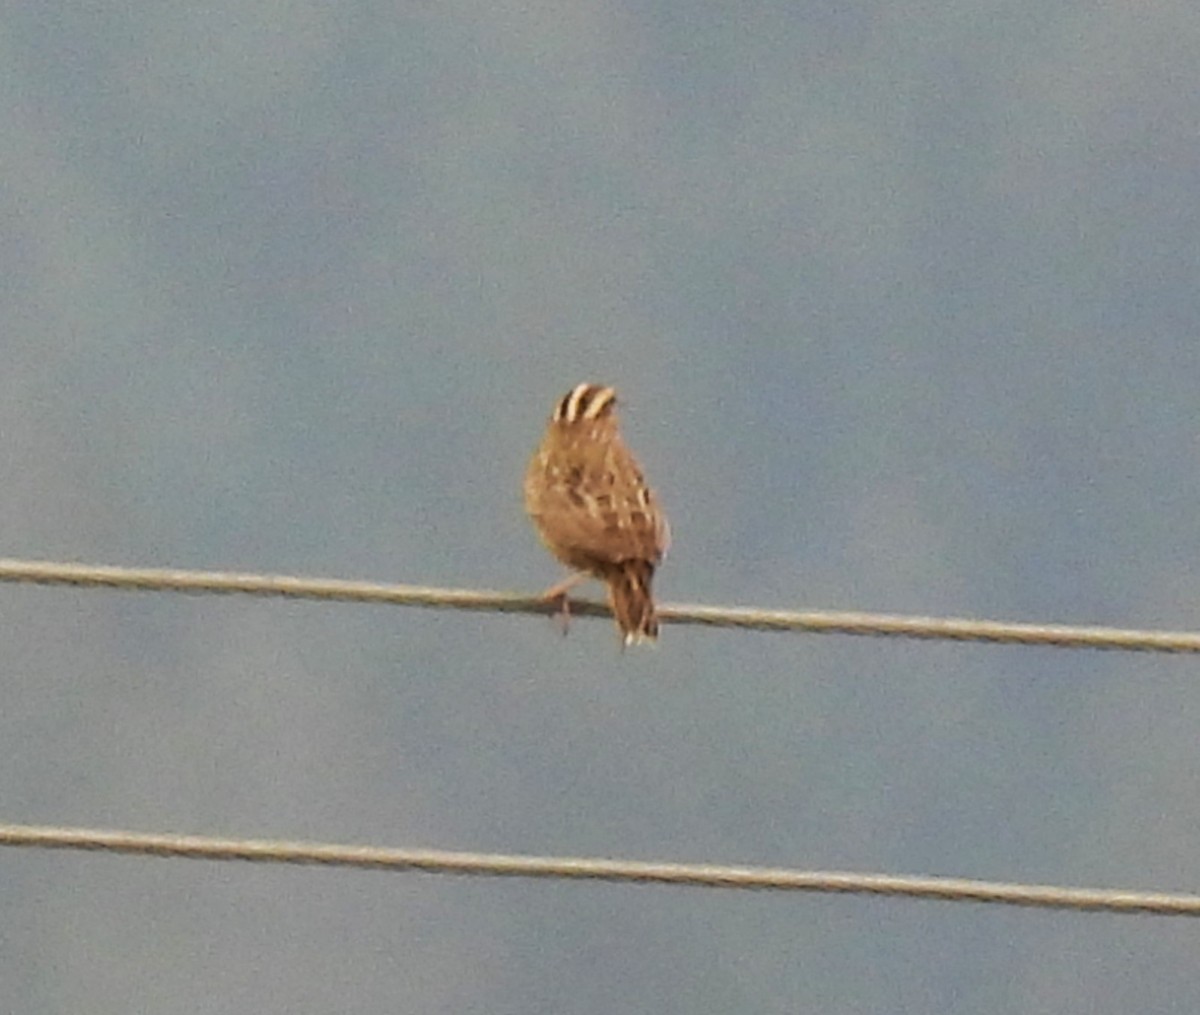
584 401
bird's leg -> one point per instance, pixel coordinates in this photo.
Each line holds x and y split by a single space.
559 592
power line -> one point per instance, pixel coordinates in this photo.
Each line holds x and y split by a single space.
436 861
481 600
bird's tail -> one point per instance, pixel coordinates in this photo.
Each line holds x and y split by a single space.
632 601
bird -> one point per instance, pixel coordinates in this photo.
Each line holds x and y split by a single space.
592 508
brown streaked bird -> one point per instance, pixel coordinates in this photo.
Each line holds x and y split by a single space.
592 508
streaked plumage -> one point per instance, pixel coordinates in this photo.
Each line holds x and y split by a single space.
592 508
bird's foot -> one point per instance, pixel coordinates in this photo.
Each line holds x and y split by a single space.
557 594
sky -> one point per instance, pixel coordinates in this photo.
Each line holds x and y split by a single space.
901 304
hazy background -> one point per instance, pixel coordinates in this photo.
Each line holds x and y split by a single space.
902 300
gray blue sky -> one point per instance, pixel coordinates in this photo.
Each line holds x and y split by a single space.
902 302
